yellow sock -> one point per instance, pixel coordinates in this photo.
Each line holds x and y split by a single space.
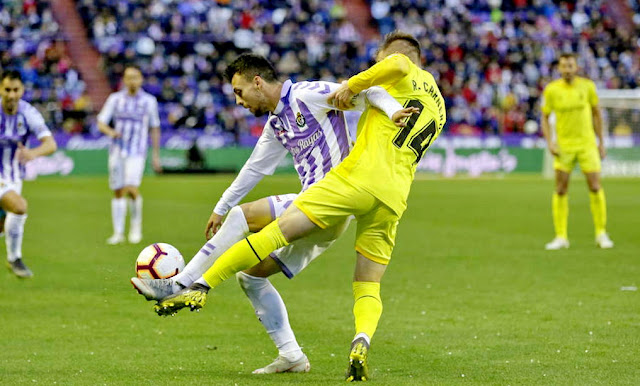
245 254
598 211
560 211
367 307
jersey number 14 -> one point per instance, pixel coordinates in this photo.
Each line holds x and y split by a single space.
420 141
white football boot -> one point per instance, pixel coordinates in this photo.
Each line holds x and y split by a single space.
135 233
155 289
283 365
603 241
557 243
115 239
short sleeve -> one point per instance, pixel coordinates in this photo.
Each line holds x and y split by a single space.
36 123
107 110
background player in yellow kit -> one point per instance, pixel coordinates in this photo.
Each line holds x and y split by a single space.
372 184
574 101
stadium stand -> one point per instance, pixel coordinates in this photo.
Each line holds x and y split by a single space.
30 41
492 62
492 83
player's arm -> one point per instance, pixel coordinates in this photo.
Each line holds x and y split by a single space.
597 119
388 71
155 137
264 159
47 143
374 96
104 117
47 146
378 97
544 122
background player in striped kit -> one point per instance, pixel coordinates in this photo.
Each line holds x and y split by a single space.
134 113
18 120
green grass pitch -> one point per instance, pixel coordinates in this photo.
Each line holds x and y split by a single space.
470 297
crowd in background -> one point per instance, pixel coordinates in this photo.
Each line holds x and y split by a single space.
491 58
492 62
30 41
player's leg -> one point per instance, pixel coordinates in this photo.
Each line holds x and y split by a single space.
16 207
268 304
589 161
272 313
326 203
240 221
375 239
118 202
563 165
133 171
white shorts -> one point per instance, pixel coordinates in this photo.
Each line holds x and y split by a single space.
125 171
6 186
296 256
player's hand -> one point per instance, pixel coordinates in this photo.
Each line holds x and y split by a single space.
399 118
213 225
24 154
342 98
602 151
157 166
553 149
114 134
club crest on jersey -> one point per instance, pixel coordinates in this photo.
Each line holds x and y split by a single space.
300 121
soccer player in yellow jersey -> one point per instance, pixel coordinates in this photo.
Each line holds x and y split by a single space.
574 101
372 183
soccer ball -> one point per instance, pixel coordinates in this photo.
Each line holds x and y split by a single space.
159 261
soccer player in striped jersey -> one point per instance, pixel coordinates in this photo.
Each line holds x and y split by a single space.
372 183
18 120
574 101
300 123
134 114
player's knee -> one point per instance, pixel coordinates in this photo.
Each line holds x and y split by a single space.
118 193
20 206
247 281
252 214
133 192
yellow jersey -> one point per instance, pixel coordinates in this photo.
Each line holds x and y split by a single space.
572 105
384 158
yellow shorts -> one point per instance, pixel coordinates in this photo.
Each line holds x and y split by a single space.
588 158
333 199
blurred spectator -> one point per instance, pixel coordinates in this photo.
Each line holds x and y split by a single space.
493 57
30 41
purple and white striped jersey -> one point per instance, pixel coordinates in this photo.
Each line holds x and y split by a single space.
309 128
132 117
16 129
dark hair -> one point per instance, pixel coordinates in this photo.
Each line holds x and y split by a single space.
568 55
250 65
399 35
133 66
11 74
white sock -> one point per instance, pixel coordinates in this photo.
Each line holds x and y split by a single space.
233 229
135 214
272 313
14 228
362 335
118 214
